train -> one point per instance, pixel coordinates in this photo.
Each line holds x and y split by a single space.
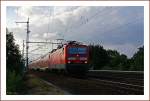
71 57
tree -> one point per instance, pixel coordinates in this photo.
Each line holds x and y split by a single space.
117 61
13 56
137 61
98 56
14 64
124 62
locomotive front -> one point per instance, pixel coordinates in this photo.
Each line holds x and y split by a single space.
77 58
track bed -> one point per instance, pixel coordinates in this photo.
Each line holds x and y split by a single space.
89 86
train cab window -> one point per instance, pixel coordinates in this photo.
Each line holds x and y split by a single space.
81 50
72 50
77 50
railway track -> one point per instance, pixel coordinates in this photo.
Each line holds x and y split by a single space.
128 77
90 85
124 88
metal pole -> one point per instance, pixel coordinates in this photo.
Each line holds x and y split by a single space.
27 45
23 50
27 39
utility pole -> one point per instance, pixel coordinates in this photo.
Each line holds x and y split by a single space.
23 49
27 40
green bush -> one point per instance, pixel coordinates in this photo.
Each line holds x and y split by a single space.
13 82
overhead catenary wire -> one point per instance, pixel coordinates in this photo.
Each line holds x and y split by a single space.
27 44
42 56
86 20
36 48
50 21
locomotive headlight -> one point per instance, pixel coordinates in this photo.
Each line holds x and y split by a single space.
69 62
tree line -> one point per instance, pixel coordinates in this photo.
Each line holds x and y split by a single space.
14 65
101 58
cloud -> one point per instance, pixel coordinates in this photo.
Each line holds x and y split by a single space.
116 27
35 35
49 35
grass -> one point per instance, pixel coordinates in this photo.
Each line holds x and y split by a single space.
38 87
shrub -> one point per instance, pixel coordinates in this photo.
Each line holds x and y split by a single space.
14 82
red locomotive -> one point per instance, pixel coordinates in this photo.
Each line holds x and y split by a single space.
72 57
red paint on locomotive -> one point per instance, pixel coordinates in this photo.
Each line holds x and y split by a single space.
63 58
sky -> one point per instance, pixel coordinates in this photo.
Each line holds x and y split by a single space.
118 28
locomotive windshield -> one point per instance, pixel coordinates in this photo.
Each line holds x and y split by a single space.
79 50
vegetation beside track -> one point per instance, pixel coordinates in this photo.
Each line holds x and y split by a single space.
102 59
36 86
14 67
